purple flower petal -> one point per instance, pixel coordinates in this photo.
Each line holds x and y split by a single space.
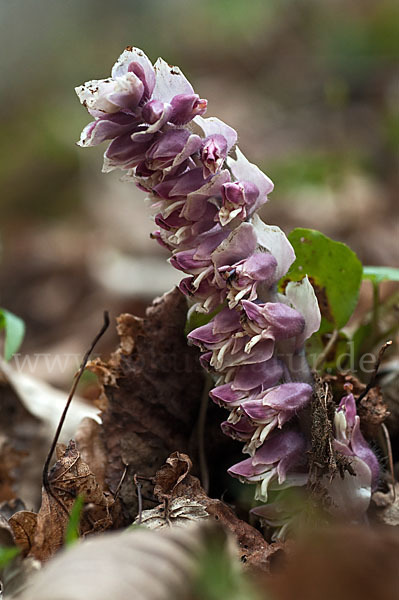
284 445
181 185
243 170
266 373
107 128
185 107
214 126
124 153
242 430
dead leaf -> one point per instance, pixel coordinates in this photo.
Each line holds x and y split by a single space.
177 466
373 411
180 512
91 448
23 525
183 500
69 477
152 384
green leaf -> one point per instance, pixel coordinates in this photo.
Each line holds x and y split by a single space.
72 531
197 319
379 274
15 331
7 554
334 271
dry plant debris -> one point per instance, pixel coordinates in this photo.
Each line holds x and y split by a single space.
152 386
43 534
182 500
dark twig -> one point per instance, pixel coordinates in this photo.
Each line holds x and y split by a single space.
139 497
122 479
45 477
373 377
201 433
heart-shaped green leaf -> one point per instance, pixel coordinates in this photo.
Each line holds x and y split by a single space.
334 271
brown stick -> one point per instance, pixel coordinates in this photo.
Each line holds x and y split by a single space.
45 477
373 377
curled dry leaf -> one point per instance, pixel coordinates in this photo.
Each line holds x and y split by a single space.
69 477
15 573
167 479
183 500
23 525
152 386
141 564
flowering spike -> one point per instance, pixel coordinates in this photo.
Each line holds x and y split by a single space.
205 196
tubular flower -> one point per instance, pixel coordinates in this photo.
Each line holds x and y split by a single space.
351 494
204 195
279 462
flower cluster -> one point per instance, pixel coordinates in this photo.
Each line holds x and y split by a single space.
205 195
351 495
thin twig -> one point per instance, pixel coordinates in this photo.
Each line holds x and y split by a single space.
45 476
139 497
322 356
373 377
122 479
201 433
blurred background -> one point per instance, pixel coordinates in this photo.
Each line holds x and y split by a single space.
312 88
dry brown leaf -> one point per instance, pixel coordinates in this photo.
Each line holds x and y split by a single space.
183 500
152 384
141 564
91 448
14 575
23 524
69 477
167 479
